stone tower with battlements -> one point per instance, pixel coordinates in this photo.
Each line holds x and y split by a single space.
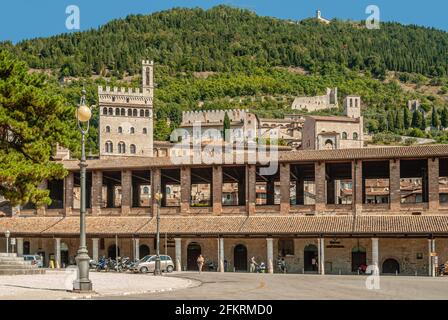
126 118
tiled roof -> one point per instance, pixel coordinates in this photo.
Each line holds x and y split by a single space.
231 225
333 118
435 150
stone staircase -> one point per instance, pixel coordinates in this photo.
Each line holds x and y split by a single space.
11 264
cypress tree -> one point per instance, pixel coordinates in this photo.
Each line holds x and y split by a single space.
399 124
226 127
444 118
422 121
415 123
435 122
406 118
390 121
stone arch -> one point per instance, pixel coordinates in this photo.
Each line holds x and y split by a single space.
112 252
143 250
359 257
309 253
240 257
390 266
193 251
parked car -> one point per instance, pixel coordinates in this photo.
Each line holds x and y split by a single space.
35 259
148 264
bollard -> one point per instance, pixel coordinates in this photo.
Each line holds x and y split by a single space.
415 272
303 270
396 272
358 272
339 271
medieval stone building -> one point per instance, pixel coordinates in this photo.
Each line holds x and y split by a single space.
126 118
316 103
335 132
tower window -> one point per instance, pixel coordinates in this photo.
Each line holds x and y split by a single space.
355 136
142 113
120 130
344 135
146 113
123 112
127 100
117 111
132 148
105 111
111 112
134 113
132 130
107 129
121 147
145 131
129 112
147 75
109 147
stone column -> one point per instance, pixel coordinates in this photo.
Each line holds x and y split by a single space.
185 189
357 188
270 254
431 262
217 189
251 186
285 184
95 248
433 184
178 244
394 181
68 193
57 252
321 255
155 187
221 254
137 249
97 191
375 252
319 172
126 186
19 242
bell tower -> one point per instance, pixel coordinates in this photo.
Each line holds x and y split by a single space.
148 78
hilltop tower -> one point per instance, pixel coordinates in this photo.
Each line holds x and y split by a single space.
126 118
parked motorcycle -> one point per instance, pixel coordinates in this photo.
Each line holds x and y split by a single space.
102 264
261 268
211 266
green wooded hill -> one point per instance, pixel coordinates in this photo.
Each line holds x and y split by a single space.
226 57
230 39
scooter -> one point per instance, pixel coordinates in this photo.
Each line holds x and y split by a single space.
103 264
261 268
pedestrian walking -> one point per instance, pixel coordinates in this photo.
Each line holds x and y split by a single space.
253 264
200 261
314 263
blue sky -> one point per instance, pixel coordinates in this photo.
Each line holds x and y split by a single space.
24 19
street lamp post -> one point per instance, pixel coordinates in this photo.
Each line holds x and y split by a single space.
157 270
83 283
7 234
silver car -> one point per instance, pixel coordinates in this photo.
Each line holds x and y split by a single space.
148 264
35 259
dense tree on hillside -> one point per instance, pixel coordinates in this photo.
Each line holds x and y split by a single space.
32 121
435 122
226 127
416 119
230 39
444 118
390 121
406 118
